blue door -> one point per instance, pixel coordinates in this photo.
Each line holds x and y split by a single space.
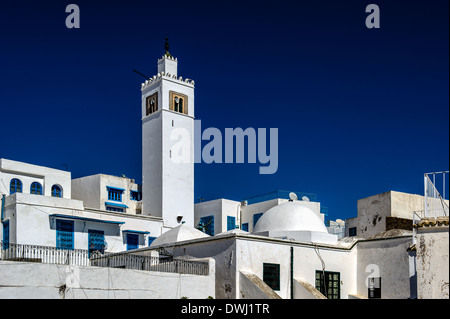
6 234
96 241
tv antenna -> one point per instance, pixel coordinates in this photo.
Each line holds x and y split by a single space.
141 74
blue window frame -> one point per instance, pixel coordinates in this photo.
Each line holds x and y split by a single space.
135 195
115 194
207 223
231 222
15 186
151 240
64 234
132 241
256 217
96 239
36 188
56 191
115 209
6 234
245 226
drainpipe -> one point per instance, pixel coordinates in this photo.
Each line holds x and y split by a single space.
292 272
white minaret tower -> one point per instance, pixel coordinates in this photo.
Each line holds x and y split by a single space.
168 145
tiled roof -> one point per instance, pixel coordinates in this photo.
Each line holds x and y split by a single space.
431 221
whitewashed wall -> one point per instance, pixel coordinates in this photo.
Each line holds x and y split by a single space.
252 254
433 262
28 173
46 281
388 259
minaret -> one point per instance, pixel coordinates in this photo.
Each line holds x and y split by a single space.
167 136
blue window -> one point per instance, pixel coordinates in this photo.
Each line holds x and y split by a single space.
115 194
231 222
56 191
64 234
15 186
256 217
36 188
6 234
114 209
132 241
135 195
96 239
207 224
151 240
245 226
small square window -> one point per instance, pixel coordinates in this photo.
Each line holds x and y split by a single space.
271 275
137 196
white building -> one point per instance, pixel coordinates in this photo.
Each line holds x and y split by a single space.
221 215
167 145
270 246
33 213
291 255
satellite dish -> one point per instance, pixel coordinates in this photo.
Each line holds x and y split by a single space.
292 196
305 199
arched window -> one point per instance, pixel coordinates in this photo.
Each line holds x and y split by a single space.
178 102
56 191
15 186
152 103
36 188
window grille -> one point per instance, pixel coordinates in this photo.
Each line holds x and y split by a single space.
64 234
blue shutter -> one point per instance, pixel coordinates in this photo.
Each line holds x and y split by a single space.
208 222
132 241
150 240
96 241
231 222
245 226
64 234
256 217
6 234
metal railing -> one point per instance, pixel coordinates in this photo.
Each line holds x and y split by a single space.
44 254
82 257
150 263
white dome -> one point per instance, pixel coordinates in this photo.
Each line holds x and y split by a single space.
290 216
180 233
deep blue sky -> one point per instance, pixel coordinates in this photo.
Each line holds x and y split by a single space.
359 111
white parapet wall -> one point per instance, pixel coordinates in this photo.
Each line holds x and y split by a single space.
49 281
